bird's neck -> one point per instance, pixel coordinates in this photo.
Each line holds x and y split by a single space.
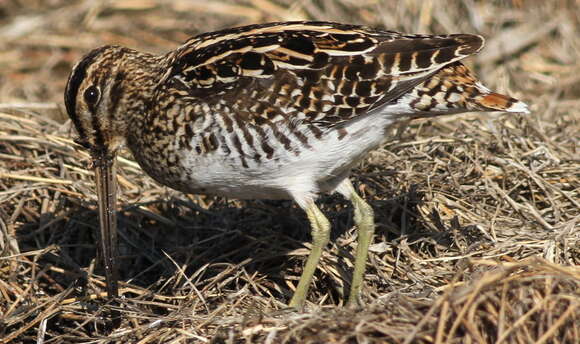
141 74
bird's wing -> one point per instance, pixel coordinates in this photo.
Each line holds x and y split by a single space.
317 72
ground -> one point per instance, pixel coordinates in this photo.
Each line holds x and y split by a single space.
478 215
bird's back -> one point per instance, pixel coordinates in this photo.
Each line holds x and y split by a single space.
317 72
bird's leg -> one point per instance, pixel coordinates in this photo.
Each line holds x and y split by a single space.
320 227
364 220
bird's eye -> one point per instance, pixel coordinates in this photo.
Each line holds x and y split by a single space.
92 95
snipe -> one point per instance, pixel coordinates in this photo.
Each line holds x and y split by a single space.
272 111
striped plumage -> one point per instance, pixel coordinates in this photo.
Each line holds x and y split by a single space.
274 111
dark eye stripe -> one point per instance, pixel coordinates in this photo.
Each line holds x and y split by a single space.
72 88
115 93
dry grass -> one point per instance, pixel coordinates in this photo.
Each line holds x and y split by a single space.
478 235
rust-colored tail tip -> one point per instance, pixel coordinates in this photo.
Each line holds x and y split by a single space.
500 102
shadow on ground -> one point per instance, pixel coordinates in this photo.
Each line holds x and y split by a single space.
177 247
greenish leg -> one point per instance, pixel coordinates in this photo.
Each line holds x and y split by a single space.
320 227
365 223
364 219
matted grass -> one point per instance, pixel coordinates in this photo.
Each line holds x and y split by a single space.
478 215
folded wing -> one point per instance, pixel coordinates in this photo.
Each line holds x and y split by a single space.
318 72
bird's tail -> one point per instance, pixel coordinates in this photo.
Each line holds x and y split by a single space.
454 89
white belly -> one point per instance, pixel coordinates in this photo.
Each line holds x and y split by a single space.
314 170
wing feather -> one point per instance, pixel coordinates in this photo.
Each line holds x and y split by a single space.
316 71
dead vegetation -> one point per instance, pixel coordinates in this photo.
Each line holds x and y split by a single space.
478 216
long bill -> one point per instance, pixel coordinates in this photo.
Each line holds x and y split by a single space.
106 180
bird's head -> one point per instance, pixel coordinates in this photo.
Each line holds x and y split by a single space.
104 87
